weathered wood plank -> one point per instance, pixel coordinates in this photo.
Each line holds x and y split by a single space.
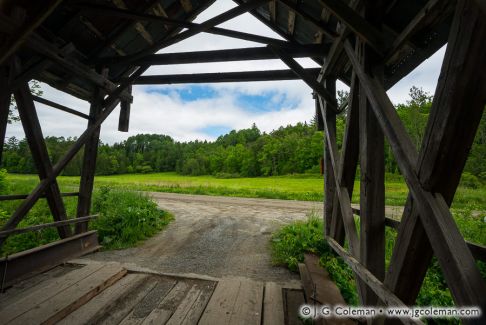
372 181
144 299
43 291
273 308
166 307
349 158
57 307
96 308
221 305
185 306
248 304
5 96
329 180
293 300
194 314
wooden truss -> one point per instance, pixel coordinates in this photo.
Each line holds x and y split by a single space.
432 173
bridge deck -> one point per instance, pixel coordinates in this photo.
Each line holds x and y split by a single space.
111 293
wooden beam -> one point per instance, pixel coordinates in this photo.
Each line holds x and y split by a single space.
35 139
22 34
356 23
372 182
345 202
329 181
18 231
243 54
308 79
5 96
88 168
291 22
385 294
460 271
24 196
267 75
219 19
59 107
349 158
272 8
453 121
124 119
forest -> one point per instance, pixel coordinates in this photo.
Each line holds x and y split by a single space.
292 149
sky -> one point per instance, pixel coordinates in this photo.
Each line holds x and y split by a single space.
205 111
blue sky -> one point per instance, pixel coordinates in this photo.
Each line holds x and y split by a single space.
205 111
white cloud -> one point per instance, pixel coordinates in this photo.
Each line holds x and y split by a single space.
167 114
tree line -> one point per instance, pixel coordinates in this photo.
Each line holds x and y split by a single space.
246 153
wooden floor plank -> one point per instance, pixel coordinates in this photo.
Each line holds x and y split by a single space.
129 304
162 313
193 316
221 304
93 310
185 306
249 303
44 291
293 300
24 288
273 309
56 308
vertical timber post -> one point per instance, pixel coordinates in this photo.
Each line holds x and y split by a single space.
372 167
329 181
88 168
5 96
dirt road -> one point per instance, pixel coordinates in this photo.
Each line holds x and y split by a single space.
216 236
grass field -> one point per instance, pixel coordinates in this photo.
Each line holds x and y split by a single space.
293 187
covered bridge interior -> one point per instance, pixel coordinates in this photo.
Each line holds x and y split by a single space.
97 50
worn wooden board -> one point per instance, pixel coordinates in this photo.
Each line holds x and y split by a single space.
293 300
185 306
273 309
197 308
235 301
129 304
44 291
93 310
59 306
144 306
165 309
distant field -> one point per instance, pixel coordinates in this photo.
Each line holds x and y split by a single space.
293 187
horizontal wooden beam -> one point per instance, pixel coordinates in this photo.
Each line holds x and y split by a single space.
60 107
29 262
246 76
24 196
16 231
243 54
477 250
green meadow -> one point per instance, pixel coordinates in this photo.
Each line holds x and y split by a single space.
305 187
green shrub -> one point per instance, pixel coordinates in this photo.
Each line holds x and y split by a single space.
469 180
126 217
